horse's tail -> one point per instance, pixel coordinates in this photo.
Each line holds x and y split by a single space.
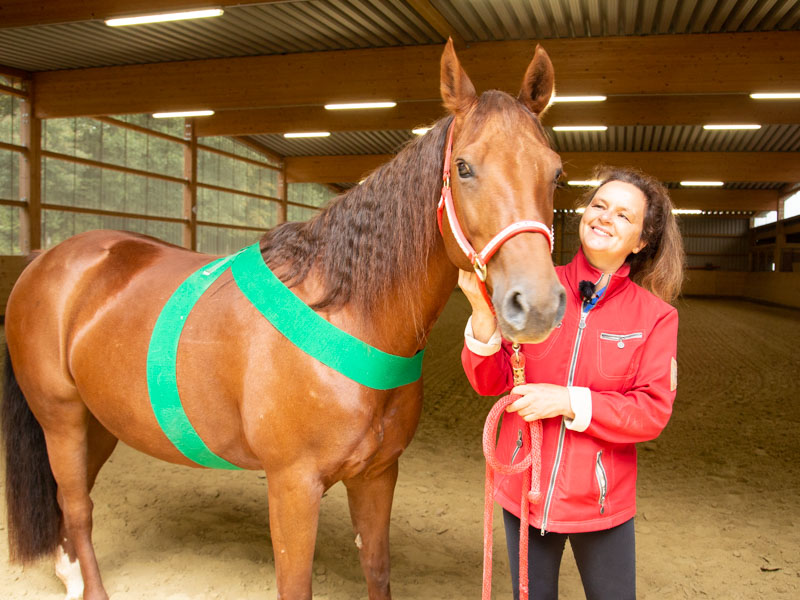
32 507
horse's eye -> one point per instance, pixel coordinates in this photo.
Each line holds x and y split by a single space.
463 169
556 179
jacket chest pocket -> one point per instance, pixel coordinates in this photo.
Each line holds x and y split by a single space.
616 353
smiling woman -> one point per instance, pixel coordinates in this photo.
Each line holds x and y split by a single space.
602 381
639 207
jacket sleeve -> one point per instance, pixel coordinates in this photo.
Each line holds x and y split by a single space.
641 413
487 366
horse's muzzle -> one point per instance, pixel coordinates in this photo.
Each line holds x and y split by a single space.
527 315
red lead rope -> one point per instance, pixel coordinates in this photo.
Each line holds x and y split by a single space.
531 465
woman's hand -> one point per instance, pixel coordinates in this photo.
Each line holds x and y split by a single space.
483 323
541 401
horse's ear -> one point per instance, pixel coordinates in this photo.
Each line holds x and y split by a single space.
457 90
538 83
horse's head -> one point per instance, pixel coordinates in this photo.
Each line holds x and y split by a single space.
503 172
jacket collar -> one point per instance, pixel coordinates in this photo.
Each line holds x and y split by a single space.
579 269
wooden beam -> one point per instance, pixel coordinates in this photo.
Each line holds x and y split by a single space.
13 71
25 13
189 236
616 111
436 20
332 169
667 166
681 109
30 174
660 64
694 198
405 115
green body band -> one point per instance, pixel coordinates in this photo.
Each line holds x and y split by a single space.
302 326
314 335
162 355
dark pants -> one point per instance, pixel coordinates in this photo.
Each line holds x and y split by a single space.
606 561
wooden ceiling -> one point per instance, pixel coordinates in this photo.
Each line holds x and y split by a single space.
667 66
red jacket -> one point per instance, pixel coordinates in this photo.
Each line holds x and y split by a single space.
625 375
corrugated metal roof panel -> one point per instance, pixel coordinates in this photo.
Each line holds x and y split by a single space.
338 143
485 20
259 29
317 25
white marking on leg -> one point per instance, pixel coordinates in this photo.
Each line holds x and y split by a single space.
359 543
69 572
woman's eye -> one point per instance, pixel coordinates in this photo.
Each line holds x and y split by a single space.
464 170
624 217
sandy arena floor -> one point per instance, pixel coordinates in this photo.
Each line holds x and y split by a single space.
719 515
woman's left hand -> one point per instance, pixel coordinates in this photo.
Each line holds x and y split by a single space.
541 401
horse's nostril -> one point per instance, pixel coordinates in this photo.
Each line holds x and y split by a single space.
516 308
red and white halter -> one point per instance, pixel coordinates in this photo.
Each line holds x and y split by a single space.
531 463
480 260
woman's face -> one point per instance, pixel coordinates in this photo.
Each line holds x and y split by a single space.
611 226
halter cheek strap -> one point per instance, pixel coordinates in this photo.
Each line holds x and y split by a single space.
479 260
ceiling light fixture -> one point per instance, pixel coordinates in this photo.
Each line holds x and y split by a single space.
578 99
421 130
183 113
357 105
727 127
687 211
162 17
307 134
580 128
584 182
702 183
777 96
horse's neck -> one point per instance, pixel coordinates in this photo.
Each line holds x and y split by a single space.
407 317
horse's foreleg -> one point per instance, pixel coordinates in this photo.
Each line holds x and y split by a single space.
370 501
294 499
77 446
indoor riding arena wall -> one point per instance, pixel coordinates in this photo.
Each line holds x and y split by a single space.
718 515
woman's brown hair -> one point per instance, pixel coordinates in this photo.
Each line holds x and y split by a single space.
658 267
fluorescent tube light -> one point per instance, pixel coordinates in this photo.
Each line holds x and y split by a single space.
183 113
584 182
702 183
777 96
356 105
727 127
578 99
421 130
580 128
687 211
307 134
160 18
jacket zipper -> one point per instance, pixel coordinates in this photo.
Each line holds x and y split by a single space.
519 445
563 430
602 481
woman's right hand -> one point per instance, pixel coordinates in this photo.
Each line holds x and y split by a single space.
483 322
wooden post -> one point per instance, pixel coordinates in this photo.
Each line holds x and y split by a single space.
283 194
190 187
30 175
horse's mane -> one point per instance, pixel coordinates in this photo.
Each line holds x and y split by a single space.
372 237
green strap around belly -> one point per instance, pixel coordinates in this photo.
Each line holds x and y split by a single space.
162 380
289 315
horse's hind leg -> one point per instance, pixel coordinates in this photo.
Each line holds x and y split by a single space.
370 500
78 446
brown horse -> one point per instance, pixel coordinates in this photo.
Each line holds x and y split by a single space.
373 264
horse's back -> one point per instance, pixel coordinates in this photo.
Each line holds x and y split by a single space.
78 323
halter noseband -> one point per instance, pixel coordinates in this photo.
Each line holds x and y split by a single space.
480 260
